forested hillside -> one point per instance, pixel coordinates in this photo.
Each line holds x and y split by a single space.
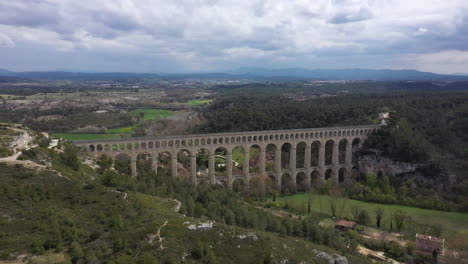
60 210
429 128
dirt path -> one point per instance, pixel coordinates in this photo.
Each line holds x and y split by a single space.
278 213
158 236
378 255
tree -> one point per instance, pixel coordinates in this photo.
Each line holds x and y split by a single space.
70 156
363 217
379 213
400 217
333 205
371 179
310 198
355 210
105 162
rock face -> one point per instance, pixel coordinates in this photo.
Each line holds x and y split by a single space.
375 163
332 259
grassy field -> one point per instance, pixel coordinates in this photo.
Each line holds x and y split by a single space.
7 96
199 102
71 136
452 222
120 130
152 113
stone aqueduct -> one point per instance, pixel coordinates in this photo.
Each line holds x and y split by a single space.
338 167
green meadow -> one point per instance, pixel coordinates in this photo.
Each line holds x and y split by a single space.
120 130
8 96
152 113
72 136
199 102
451 222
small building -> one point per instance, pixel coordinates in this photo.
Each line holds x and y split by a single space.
345 225
429 244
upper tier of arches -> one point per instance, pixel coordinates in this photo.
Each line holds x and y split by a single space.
215 140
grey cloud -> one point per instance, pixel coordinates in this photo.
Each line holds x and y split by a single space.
207 32
361 15
29 13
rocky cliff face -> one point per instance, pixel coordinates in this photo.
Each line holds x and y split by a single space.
378 164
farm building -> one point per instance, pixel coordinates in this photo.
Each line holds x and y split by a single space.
345 225
429 244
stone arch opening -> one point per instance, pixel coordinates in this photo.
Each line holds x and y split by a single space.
300 154
91 148
270 158
328 174
315 178
286 156
122 163
287 184
254 158
144 163
220 161
99 147
183 164
355 150
341 175
301 182
354 174
122 146
315 152
202 157
237 160
342 151
164 162
329 152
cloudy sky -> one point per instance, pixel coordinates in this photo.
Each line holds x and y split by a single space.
218 35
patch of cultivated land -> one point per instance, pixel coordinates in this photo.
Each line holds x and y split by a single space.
71 136
199 102
451 222
149 113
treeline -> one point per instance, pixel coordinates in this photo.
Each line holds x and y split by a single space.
303 88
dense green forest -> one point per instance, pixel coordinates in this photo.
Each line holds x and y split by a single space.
430 128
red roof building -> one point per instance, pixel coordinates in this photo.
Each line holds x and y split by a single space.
345 225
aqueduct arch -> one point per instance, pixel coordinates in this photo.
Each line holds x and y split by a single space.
313 153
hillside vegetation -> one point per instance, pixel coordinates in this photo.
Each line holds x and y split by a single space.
68 212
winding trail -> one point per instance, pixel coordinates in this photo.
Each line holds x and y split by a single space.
158 236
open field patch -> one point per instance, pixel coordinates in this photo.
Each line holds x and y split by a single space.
8 96
152 113
450 222
120 130
72 136
199 102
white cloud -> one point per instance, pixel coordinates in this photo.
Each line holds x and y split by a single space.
210 34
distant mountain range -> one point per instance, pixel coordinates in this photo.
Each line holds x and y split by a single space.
286 74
